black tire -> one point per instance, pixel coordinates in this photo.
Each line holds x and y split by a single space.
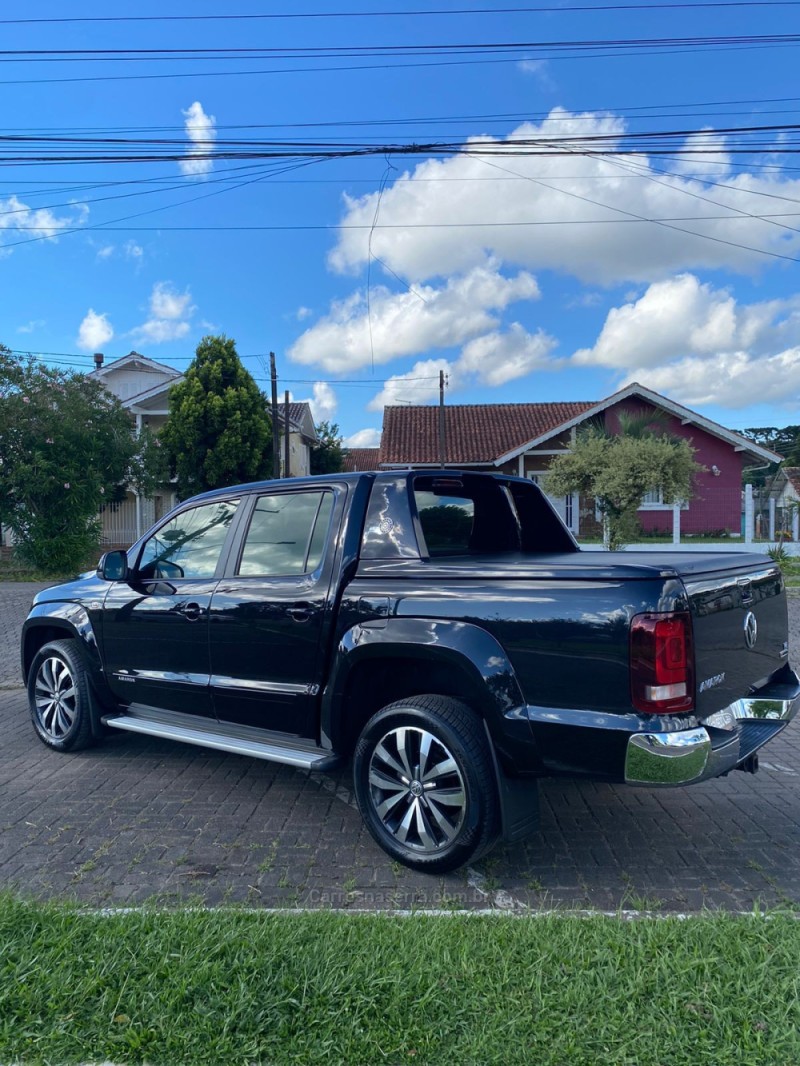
60 697
431 821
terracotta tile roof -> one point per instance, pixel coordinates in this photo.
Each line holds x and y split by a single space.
356 459
475 433
793 476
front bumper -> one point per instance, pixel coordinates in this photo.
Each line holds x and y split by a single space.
722 742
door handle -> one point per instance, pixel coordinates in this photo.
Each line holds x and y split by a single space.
301 612
191 611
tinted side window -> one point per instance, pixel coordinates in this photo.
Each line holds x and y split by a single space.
446 522
190 544
287 534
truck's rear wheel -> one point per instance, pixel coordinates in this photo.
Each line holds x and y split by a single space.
425 784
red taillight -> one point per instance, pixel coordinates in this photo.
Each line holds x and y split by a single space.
662 663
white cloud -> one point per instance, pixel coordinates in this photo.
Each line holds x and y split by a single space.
711 161
492 359
363 438
730 379
303 313
324 402
539 68
94 331
499 357
165 302
27 223
682 317
698 345
170 315
418 385
159 330
129 250
408 323
32 326
432 219
200 129
590 298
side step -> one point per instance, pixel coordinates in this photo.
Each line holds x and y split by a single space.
238 740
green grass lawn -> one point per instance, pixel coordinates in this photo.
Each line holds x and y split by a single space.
232 987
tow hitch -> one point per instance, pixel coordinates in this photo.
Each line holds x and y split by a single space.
750 764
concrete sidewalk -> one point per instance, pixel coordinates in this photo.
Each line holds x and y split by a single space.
140 819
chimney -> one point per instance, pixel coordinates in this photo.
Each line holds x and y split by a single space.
98 360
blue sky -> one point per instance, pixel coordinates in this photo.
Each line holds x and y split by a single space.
527 276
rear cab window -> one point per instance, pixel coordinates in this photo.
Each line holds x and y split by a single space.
463 514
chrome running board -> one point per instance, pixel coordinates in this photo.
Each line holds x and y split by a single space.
236 739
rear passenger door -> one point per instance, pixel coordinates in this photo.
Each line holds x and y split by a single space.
271 610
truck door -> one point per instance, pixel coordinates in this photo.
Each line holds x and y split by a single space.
270 612
155 625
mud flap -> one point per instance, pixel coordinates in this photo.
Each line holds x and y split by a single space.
519 800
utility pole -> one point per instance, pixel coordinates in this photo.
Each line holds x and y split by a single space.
276 433
286 469
442 449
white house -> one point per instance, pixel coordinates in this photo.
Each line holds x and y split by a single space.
302 438
143 385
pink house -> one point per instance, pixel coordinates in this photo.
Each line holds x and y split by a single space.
523 438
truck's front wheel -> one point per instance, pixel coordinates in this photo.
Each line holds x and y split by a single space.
60 697
425 784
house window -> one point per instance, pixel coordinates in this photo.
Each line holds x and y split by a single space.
654 501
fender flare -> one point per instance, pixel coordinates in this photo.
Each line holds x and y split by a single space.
462 645
73 620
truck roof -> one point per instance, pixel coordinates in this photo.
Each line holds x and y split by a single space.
351 479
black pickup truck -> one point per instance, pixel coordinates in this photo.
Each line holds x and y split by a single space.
440 628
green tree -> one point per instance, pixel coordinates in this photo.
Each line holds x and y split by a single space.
786 442
65 444
218 431
618 471
327 455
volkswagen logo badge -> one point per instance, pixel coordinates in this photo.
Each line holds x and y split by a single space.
750 630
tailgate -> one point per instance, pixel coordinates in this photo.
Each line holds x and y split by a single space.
740 624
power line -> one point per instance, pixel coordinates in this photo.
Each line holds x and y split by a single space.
439 63
302 227
438 12
80 359
383 51
752 140
583 113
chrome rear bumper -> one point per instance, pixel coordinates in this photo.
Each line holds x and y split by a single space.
723 740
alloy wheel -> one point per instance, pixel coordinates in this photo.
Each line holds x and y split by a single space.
56 697
417 789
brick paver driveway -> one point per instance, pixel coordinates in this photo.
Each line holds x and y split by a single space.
138 819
